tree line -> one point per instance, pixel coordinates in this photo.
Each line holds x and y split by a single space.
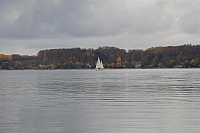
184 56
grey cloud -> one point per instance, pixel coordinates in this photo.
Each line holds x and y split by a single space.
190 20
185 14
38 19
63 23
81 19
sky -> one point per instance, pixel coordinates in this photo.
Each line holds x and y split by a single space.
28 26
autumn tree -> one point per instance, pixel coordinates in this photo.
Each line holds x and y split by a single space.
112 65
52 66
4 57
79 64
18 65
194 62
118 64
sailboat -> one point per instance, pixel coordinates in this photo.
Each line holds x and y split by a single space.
99 65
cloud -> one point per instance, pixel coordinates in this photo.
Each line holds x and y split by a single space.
38 24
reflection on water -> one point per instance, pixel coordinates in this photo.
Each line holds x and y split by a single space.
88 101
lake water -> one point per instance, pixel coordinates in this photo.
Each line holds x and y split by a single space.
109 101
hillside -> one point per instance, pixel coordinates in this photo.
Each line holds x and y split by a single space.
186 56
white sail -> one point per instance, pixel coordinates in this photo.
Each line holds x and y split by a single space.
102 65
99 65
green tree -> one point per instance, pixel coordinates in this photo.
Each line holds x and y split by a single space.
5 65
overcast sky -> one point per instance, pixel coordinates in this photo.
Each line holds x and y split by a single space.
27 26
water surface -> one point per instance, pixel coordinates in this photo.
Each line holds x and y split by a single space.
109 101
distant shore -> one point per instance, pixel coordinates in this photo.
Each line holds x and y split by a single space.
183 56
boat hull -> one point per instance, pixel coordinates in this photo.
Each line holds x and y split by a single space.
99 69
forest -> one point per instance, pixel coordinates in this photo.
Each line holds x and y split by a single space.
183 56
